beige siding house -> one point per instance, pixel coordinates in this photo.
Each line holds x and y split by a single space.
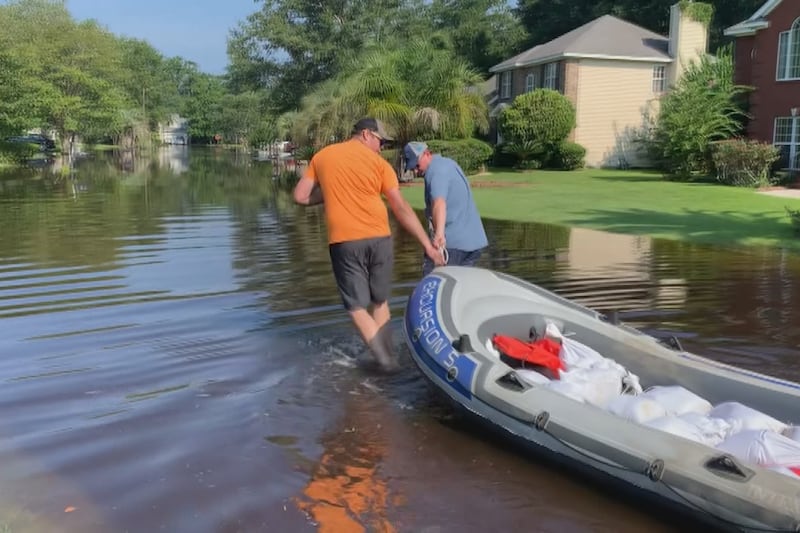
614 72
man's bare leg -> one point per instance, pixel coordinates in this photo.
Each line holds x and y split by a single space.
369 330
382 315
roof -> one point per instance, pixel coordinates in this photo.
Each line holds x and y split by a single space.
757 21
607 37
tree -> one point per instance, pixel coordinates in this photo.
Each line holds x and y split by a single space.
71 70
290 46
537 122
482 32
419 90
547 19
201 103
244 120
17 103
703 107
147 80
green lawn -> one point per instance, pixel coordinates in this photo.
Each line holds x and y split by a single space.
100 147
634 202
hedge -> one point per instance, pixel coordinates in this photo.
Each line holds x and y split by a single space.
470 154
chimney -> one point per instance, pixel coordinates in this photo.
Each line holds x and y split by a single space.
688 40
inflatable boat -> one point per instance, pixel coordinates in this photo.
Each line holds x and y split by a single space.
453 321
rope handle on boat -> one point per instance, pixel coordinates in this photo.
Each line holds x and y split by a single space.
655 472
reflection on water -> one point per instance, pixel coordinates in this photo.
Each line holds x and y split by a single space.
175 358
346 492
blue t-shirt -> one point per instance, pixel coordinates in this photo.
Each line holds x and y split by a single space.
463 228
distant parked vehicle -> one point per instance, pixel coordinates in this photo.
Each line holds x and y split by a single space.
45 143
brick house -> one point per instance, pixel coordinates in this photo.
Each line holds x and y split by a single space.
614 72
767 58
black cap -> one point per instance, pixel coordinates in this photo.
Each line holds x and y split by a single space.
373 125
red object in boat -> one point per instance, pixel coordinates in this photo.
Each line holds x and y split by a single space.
542 352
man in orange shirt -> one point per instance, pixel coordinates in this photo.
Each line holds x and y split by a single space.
351 177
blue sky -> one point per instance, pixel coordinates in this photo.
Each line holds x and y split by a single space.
196 30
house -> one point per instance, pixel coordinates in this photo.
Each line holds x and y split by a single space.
613 72
767 58
176 131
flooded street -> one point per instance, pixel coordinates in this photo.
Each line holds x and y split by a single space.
174 358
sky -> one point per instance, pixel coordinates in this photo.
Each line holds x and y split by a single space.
196 30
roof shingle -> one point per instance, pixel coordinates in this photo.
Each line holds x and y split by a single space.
606 36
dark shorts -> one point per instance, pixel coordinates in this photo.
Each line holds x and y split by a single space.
455 257
363 271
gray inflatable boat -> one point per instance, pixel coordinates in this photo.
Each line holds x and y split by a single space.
449 321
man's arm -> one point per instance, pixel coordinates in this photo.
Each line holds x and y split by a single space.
307 192
439 215
439 183
408 219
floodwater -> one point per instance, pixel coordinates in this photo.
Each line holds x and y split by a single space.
173 358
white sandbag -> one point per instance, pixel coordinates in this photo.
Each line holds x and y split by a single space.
793 432
532 376
630 384
490 347
551 331
714 430
678 400
744 418
577 355
568 389
678 426
597 385
636 408
762 447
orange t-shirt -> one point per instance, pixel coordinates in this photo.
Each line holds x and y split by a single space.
352 178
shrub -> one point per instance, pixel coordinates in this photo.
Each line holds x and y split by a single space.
502 157
529 164
568 156
18 152
390 154
744 163
543 117
304 153
526 154
470 154
702 108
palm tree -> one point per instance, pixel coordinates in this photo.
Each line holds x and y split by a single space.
420 92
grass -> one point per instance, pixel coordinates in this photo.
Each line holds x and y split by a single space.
634 202
100 147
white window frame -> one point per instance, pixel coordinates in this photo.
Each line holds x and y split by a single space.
659 79
550 75
505 84
788 58
786 132
530 82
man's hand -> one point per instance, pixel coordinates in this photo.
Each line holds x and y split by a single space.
439 241
307 192
435 254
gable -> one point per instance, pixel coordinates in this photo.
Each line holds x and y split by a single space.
605 37
757 21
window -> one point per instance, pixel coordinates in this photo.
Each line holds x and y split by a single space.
659 79
505 84
550 75
787 139
530 82
789 53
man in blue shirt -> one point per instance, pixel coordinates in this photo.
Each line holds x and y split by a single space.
453 218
